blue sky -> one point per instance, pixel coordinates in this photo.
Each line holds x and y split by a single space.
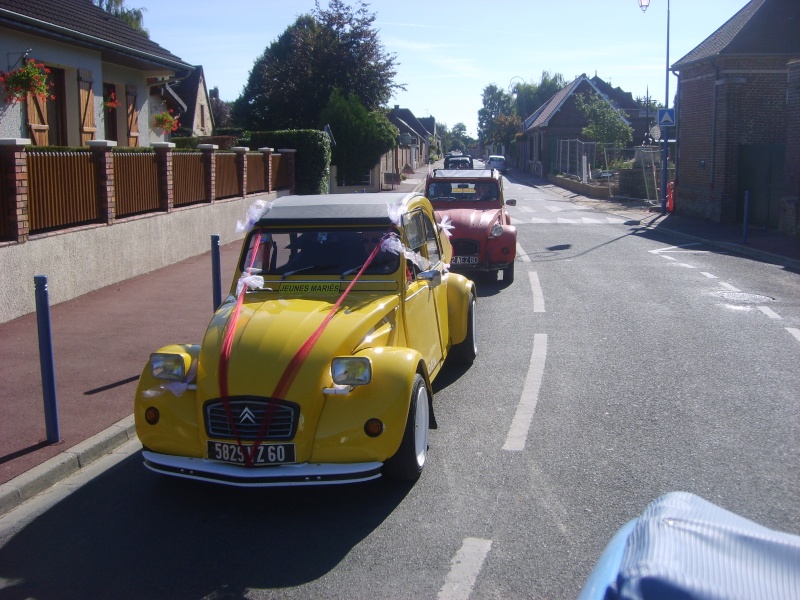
449 51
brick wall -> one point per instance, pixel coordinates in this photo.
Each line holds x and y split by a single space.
722 105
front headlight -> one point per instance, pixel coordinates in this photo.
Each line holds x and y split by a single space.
351 370
497 230
171 367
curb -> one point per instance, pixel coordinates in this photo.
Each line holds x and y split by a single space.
24 487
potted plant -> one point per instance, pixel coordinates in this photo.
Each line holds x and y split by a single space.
111 102
28 79
166 121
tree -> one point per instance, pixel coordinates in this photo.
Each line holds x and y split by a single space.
362 135
605 123
133 17
220 110
496 102
292 81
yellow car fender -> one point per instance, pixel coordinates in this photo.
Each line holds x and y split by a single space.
340 435
459 289
177 430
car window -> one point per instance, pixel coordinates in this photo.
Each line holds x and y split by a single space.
319 252
464 191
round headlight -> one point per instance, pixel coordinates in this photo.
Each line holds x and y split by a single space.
497 230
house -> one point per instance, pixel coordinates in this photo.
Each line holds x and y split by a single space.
190 100
101 71
429 123
737 119
413 135
557 120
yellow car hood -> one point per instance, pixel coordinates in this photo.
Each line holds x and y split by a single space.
270 332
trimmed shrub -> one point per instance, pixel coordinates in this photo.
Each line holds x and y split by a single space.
313 158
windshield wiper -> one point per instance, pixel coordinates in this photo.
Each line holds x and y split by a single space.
353 270
308 268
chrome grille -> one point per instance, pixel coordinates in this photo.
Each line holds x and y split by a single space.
248 414
465 247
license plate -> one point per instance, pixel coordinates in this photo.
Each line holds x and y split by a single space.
266 454
465 260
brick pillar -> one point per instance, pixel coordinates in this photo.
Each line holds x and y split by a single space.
291 162
789 222
267 154
104 172
166 184
15 188
241 168
210 170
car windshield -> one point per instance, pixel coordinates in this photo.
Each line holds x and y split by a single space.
463 191
305 252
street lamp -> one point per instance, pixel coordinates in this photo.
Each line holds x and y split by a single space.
643 4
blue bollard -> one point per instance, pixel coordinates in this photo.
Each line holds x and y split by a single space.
216 281
46 361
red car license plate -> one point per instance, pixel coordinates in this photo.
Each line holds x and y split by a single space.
265 454
465 260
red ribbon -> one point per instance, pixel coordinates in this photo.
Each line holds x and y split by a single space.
289 374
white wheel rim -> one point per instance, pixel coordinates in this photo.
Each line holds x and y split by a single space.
421 427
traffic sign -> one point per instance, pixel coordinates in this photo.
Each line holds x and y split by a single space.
666 117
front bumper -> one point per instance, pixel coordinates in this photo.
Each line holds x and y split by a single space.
202 469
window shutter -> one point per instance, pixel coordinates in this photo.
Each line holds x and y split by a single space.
88 128
133 116
37 120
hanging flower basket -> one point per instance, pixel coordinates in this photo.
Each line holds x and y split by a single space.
28 80
111 102
165 121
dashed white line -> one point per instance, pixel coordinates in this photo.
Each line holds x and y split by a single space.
522 254
794 332
464 569
536 289
729 287
769 312
709 275
518 433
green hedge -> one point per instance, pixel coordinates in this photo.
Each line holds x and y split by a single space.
313 158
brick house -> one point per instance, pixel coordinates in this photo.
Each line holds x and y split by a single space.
558 119
738 109
91 55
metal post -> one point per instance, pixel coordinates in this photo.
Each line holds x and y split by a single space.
746 216
664 168
47 364
216 281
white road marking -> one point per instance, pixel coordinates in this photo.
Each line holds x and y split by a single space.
536 289
554 208
588 221
794 332
667 257
522 254
729 287
464 569
769 312
709 275
526 209
518 433
516 221
539 220
562 220
685 265
679 249
614 220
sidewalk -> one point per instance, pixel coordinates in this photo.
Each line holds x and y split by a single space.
102 340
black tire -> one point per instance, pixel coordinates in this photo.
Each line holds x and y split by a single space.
410 458
508 274
466 351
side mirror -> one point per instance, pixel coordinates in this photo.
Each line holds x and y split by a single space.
433 277
511 202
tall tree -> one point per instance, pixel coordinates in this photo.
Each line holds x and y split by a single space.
292 81
362 135
134 17
496 102
605 123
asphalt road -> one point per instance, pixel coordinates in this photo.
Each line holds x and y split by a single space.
619 365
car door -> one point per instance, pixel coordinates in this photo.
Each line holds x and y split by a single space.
425 305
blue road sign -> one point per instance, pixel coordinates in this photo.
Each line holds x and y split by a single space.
666 117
